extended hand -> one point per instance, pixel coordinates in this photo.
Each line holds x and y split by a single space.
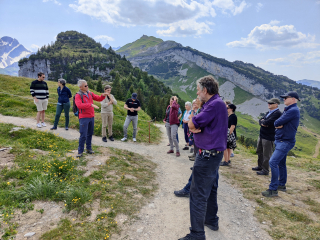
195 130
279 126
104 94
95 106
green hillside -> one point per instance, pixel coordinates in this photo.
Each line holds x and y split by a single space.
132 49
15 100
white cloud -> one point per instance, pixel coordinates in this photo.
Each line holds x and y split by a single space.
34 47
259 6
296 59
104 38
273 36
274 22
171 17
229 5
54 1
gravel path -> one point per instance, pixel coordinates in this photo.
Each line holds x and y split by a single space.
166 216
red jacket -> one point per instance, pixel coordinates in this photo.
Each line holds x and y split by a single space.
85 109
173 115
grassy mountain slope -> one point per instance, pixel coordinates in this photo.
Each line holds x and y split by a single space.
132 49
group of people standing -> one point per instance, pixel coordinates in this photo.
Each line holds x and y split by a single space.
209 126
83 102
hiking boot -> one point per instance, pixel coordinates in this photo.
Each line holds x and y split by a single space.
90 151
111 138
79 155
104 139
53 128
185 148
191 150
270 193
177 154
224 163
262 172
123 139
39 125
181 193
256 169
43 124
232 155
192 158
134 139
170 151
188 237
282 188
212 227
67 128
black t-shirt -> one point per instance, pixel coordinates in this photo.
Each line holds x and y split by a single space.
233 120
132 104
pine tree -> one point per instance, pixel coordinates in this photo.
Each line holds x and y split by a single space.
152 107
116 87
141 99
99 86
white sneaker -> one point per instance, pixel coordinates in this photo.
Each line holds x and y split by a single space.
123 139
43 124
39 125
134 139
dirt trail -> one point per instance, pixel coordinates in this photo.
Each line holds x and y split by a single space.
166 216
317 147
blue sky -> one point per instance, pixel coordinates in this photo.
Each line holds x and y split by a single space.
280 36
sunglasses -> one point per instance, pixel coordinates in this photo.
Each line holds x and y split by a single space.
85 85
271 103
287 97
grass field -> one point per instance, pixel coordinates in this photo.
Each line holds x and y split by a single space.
15 100
294 214
44 169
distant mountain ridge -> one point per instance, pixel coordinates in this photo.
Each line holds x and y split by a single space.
312 83
106 46
11 51
245 84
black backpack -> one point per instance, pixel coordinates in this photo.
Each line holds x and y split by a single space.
75 109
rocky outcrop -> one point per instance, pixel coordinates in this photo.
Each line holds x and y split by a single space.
31 68
182 56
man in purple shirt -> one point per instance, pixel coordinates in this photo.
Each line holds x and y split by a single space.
210 128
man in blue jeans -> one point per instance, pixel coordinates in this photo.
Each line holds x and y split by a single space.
286 129
84 102
211 121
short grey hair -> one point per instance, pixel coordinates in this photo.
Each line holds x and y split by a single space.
81 82
193 101
62 81
188 103
210 83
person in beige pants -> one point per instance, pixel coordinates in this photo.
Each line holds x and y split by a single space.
107 113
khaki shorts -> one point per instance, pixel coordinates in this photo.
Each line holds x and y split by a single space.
41 104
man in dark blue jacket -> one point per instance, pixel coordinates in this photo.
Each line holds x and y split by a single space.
286 129
266 137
